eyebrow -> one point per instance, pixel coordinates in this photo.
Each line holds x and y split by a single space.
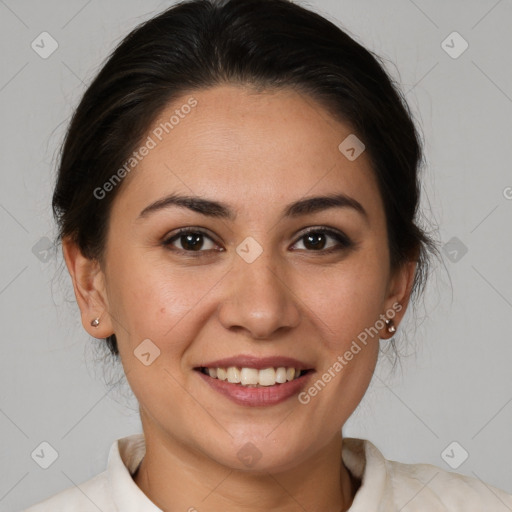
220 210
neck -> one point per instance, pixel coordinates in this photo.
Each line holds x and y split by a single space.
174 478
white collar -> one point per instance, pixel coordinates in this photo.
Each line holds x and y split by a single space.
360 457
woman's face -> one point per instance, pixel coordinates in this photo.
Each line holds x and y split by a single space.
246 282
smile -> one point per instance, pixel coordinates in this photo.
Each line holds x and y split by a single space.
253 377
255 387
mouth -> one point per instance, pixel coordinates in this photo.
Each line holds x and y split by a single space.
250 381
253 377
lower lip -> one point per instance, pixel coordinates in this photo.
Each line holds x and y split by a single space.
256 396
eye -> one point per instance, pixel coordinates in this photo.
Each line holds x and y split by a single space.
315 240
195 240
191 240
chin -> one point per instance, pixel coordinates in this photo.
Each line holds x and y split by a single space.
260 454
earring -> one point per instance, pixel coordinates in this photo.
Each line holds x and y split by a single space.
391 327
95 322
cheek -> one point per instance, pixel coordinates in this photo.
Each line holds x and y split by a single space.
147 299
160 301
347 299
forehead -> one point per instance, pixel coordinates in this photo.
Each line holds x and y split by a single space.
249 149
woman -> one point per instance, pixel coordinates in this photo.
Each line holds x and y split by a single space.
236 197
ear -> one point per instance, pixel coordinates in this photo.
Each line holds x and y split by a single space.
90 292
399 293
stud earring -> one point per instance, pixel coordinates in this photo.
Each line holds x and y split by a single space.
391 327
95 322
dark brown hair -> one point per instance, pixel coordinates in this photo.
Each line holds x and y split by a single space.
259 43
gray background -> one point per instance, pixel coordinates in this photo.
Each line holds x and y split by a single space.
456 382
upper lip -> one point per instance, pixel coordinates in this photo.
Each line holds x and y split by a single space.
259 363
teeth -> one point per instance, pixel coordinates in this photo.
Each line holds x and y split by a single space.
252 377
249 376
267 377
281 375
234 375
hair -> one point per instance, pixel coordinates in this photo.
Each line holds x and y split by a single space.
265 44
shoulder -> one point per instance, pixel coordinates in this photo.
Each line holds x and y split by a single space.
92 495
390 485
427 487
112 490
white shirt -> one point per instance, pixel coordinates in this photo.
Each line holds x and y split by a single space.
386 485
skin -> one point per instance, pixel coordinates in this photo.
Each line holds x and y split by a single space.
257 152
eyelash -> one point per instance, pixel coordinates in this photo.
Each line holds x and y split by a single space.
344 242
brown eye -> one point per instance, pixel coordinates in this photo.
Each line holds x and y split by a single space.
316 239
190 241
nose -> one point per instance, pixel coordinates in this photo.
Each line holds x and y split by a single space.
259 298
